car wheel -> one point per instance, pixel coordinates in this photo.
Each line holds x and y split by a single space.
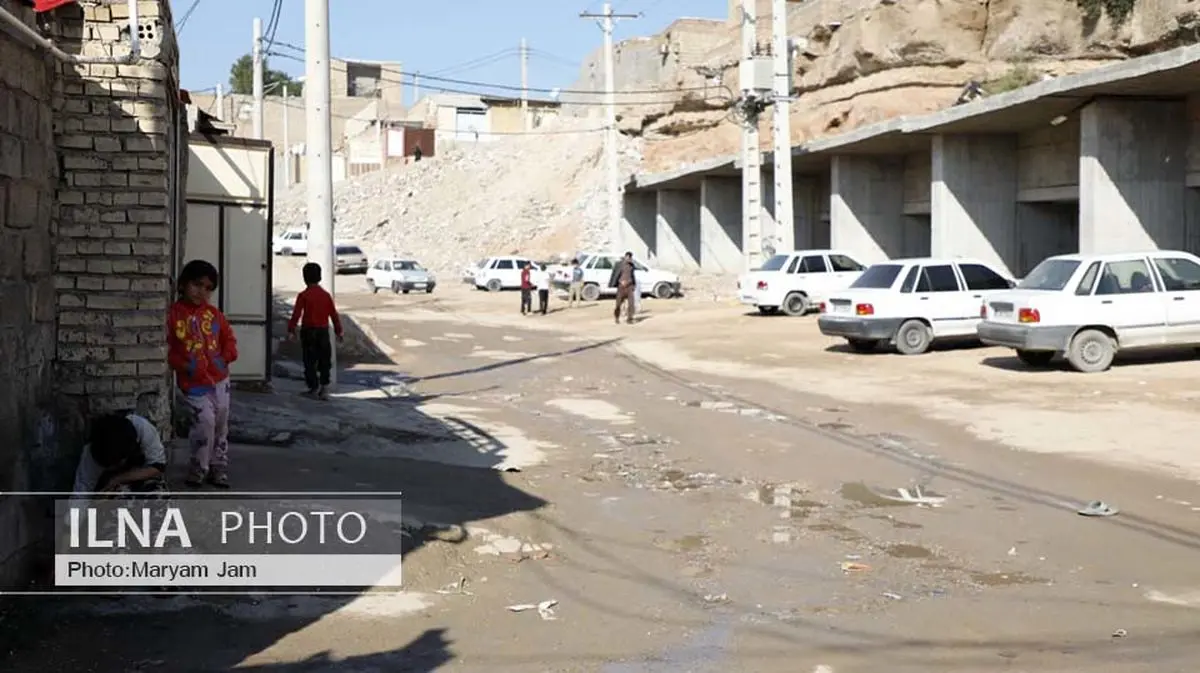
590 292
1091 351
795 304
768 310
372 286
494 285
405 290
395 288
663 291
1035 358
429 290
863 345
913 337
286 252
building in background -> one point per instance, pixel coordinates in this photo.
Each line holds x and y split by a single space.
356 86
466 118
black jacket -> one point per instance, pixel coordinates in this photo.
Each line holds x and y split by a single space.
616 273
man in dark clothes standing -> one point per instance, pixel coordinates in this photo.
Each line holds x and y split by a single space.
625 280
526 290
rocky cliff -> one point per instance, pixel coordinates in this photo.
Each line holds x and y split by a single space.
868 60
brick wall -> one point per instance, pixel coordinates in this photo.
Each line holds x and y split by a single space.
92 173
116 133
27 337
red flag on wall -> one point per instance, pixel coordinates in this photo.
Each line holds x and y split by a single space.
47 5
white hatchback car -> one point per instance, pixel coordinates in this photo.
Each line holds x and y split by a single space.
910 303
1087 307
798 281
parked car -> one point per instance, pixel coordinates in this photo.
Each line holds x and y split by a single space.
1089 307
291 242
500 273
471 270
798 281
401 275
910 303
349 258
597 271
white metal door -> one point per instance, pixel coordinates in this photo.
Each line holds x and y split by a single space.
229 224
470 124
941 299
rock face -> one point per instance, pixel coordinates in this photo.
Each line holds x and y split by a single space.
868 60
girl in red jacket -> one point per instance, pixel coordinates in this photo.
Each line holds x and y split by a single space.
201 346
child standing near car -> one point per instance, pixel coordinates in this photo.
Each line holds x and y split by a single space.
200 348
313 312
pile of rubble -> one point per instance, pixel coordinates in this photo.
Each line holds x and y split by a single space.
539 194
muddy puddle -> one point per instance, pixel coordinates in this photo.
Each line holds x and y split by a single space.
911 551
789 499
1005 579
867 496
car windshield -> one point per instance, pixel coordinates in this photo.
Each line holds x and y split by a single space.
402 265
775 263
878 277
1052 275
349 250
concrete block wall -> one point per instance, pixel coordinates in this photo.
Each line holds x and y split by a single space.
116 130
27 301
1048 162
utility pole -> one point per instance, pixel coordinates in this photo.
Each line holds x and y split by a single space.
416 87
319 144
258 79
785 227
751 156
221 102
287 140
524 84
610 109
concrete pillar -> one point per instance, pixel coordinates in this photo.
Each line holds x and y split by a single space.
866 211
721 225
678 228
973 199
767 216
1132 176
639 226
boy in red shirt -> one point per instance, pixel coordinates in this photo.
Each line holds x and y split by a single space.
316 307
200 348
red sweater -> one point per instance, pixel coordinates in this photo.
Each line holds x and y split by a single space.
316 307
525 283
200 346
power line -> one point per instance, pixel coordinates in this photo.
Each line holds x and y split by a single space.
273 23
187 14
582 92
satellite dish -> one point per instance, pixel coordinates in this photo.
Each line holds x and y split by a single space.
554 94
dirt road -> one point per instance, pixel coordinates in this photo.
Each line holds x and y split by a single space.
699 492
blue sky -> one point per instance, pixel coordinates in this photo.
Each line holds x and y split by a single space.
472 40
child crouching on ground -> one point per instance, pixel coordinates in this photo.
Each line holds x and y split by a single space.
313 312
201 346
124 454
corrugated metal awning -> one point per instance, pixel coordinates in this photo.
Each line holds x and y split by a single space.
47 5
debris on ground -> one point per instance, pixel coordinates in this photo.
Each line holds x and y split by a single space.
716 598
893 596
852 567
1120 633
545 609
458 588
1098 508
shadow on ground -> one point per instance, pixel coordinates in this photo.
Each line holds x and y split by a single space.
372 437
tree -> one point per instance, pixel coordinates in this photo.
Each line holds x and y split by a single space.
241 78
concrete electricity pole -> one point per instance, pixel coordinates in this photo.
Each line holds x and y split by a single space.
751 157
610 115
287 140
221 102
785 232
319 144
258 79
524 84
